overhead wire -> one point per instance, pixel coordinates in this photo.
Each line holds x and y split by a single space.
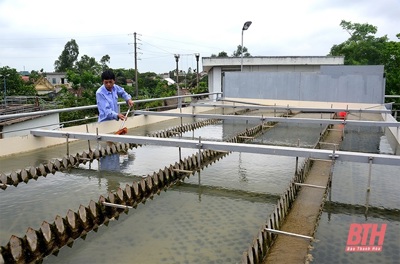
150 51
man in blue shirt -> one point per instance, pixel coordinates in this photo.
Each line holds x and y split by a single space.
107 98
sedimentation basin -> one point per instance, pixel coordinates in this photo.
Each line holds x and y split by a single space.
213 215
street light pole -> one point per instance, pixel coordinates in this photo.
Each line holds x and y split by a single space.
197 70
245 27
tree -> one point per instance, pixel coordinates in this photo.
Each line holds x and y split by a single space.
391 59
222 54
35 76
363 48
238 52
14 84
104 60
87 63
68 57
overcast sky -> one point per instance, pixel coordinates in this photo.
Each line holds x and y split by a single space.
33 33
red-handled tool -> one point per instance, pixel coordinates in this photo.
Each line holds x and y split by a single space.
123 130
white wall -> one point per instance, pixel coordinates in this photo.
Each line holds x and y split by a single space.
23 128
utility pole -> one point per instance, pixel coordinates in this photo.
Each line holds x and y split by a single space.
136 73
177 78
197 70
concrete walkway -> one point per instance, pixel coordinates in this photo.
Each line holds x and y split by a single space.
303 216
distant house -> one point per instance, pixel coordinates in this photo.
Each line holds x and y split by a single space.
43 86
169 81
57 79
129 82
25 78
24 73
164 75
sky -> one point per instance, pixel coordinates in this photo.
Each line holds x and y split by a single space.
33 34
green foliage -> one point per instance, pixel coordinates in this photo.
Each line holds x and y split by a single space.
104 60
88 64
34 76
391 58
222 54
84 75
68 57
203 88
238 52
14 84
67 99
363 48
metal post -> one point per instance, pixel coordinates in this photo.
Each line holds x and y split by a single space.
331 172
97 136
199 156
262 125
369 173
199 162
344 126
366 204
87 131
288 233
67 144
297 158
180 153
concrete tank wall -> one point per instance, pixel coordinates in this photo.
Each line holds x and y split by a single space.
28 142
354 84
50 121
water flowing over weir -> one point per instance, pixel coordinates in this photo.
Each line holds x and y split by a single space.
37 244
52 236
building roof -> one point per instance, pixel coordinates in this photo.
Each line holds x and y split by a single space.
25 78
210 62
24 73
44 86
170 81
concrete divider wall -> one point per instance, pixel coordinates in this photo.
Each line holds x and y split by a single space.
392 134
264 240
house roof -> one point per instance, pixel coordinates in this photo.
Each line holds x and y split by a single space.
169 80
19 109
43 85
24 73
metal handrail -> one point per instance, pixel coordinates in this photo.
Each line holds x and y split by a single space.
325 154
53 111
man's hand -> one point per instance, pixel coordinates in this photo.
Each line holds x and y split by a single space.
121 116
130 102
